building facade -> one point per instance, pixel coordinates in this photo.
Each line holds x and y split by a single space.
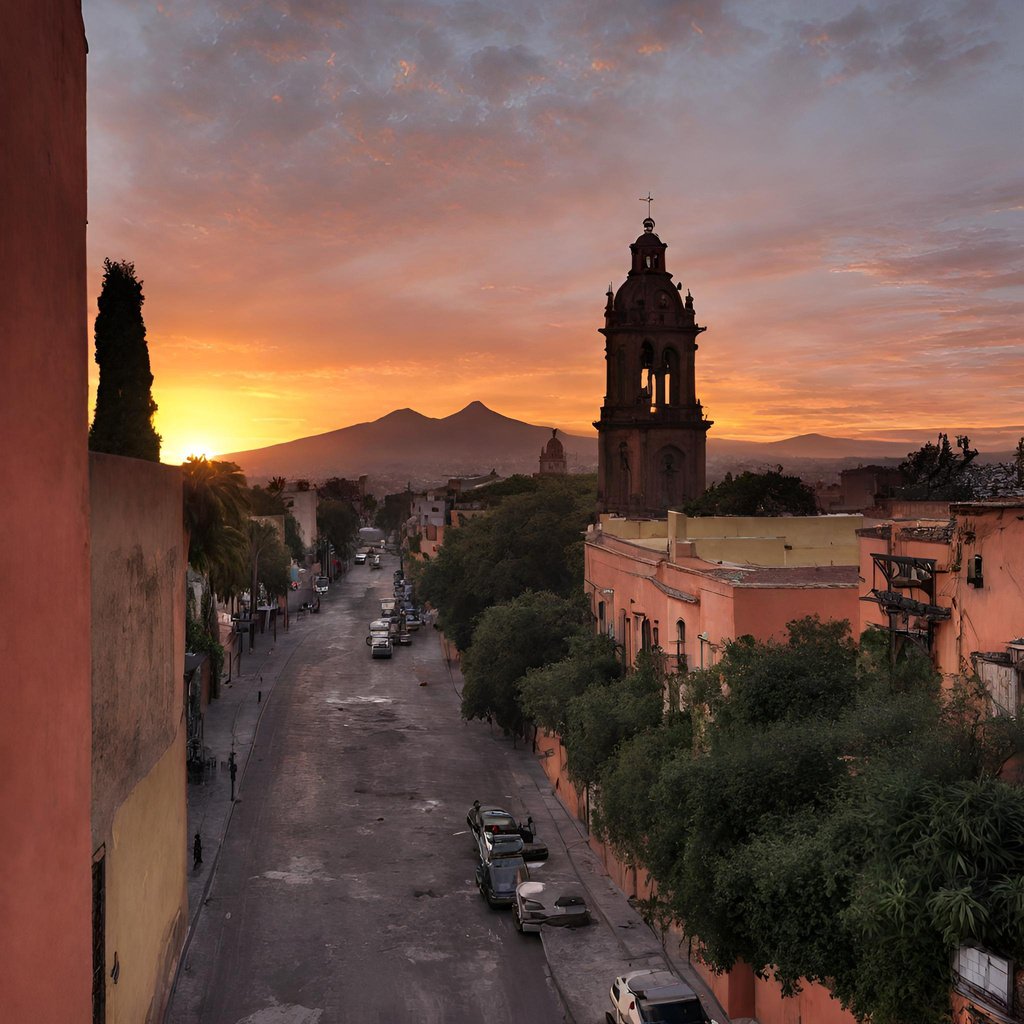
652 434
46 937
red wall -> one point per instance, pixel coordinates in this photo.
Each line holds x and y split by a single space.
45 885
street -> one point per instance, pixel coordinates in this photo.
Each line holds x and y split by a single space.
344 889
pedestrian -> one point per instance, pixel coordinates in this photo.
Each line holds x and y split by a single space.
197 852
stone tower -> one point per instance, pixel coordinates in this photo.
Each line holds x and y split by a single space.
652 432
552 457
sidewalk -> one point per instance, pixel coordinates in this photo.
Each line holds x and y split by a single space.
231 723
584 962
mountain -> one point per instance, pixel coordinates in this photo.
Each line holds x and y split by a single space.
406 446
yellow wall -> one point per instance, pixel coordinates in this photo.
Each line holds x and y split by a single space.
634 529
147 900
770 540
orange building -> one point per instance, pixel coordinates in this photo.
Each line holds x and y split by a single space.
653 584
46 941
954 586
688 586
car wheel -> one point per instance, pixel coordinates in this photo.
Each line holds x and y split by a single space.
609 1018
516 917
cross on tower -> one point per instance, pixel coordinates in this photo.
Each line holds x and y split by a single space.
648 199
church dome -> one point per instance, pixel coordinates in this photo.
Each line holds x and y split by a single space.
553 449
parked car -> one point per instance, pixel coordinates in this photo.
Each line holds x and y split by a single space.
642 996
488 819
498 877
380 646
538 904
321 584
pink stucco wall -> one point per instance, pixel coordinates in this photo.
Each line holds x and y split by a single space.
635 583
45 886
982 618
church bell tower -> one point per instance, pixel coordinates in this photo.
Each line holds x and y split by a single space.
652 433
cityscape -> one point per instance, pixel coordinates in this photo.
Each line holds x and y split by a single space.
535 501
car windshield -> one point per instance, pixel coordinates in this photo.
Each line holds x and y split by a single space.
503 872
689 1012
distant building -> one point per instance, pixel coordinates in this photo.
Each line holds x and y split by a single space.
552 458
652 434
303 505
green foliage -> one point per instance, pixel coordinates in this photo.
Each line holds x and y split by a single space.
946 867
269 561
756 494
629 809
935 472
123 421
338 522
526 632
198 640
545 693
267 501
216 514
827 816
812 673
338 488
605 715
393 512
530 541
293 538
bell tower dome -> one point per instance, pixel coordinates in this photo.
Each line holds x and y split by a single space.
652 434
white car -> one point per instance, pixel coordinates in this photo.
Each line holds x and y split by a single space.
642 996
360 558
538 904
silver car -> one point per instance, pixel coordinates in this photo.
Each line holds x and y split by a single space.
538 904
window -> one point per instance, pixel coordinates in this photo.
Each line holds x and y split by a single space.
680 645
984 976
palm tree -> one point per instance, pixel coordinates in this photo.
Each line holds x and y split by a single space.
276 485
216 520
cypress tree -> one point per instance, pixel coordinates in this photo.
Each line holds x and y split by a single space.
123 421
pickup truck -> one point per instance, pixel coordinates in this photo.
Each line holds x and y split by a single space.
487 820
642 996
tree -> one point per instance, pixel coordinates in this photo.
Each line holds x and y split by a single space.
606 715
268 562
337 488
530 541
756 494
216 515
545 693
338 522
393 512
123 421
529 631
936 473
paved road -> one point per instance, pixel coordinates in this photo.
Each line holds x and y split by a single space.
344 891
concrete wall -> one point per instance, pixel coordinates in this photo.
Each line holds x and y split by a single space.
138 806
770 540
45 886
302 505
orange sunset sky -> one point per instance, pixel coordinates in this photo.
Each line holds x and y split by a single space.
344 207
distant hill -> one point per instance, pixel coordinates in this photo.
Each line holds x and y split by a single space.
407 447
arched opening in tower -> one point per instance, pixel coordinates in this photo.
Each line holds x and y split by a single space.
670 377
647 377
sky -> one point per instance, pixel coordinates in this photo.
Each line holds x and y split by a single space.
344 207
